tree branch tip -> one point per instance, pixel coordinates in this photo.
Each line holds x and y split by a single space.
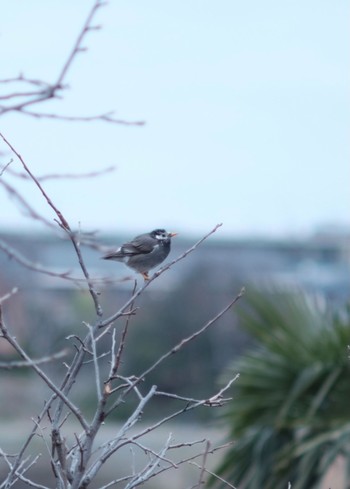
7 296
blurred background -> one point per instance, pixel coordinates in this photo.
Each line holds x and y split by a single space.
246 112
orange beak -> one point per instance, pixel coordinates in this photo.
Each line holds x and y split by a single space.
173 234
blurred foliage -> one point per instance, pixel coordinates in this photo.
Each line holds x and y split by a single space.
290 416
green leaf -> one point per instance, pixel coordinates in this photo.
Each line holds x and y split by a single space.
290 415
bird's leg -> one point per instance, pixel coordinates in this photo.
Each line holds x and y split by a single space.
145 275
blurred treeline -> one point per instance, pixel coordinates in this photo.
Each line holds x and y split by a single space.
48 310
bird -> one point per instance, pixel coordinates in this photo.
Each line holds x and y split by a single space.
144 252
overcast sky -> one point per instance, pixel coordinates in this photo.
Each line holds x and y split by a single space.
246 104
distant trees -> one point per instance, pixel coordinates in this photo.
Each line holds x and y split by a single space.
290 417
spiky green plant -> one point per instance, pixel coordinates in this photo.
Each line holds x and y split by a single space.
290 417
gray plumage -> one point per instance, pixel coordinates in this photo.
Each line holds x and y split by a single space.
144 252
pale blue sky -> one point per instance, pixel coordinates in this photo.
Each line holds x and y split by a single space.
247 110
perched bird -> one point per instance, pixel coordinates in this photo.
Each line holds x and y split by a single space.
144 252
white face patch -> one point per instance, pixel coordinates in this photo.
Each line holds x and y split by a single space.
162 236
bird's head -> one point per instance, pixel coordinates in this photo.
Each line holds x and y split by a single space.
162 235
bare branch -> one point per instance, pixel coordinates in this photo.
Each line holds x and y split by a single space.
194 335
205 456
8 295
36 267
143 475
14 343
116 481
188 407
5 167
77 48
62 220
95 360
20 364
116 358
21 78
191 457
19 471
11 477
58 176
31 212
106 117
73 467
18 95
217 399
155 454
65 275
44 91
213 474
63 223
214 401
177 347
114 444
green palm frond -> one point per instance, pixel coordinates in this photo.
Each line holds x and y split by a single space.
290 415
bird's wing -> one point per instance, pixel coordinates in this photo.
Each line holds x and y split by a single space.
140 245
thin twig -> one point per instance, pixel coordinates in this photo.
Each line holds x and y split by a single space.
23 79
106 117
63 223
188 407
45 91
14 343
205 456
19 471
48 91
37 361
65 275
58 213
144 474
10 480
191 457
77 48
216 400
213 474
8 295
178 347
5 167
59 176
155 454
115 364
114 445
31 212
95 360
